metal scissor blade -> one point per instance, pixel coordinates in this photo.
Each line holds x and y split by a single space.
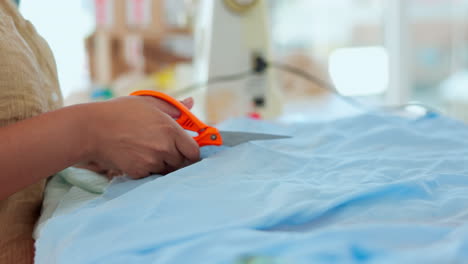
231 139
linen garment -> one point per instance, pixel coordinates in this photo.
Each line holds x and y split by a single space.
28 87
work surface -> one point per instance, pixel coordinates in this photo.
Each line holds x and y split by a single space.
367 189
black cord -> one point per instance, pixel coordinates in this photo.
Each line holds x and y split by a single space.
304 75
261 65
322 84
215 80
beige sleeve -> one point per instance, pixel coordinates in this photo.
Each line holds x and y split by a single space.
28 87
28 76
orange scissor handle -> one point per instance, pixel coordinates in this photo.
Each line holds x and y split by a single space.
206 135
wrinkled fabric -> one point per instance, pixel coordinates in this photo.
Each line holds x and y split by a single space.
367 189
75 187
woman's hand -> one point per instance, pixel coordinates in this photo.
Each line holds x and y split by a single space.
138 136
135 135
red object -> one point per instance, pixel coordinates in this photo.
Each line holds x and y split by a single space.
255 116
206 135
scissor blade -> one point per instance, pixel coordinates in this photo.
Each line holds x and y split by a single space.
231 139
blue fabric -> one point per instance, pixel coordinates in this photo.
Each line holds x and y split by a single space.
368 189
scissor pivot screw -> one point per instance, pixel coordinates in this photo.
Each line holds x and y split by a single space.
214 137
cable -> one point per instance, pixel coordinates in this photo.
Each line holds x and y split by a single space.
260 65
322 84
304 75
214 80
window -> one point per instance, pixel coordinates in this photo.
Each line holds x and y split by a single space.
64 24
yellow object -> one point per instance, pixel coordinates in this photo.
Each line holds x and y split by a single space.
164 80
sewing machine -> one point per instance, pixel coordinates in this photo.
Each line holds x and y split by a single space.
229 34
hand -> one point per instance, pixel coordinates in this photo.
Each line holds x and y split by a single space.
138 136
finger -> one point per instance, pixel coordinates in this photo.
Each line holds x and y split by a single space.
169 109
165 107
186 163
158 168
175 160
113 173
91 166
187 146
138 174
188 102
169 169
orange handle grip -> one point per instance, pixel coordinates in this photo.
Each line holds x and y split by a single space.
206 135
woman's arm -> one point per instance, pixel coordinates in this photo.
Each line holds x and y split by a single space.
130 134
36 148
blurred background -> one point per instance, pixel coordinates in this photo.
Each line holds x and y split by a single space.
382 52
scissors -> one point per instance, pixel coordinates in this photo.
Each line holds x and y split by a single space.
207 135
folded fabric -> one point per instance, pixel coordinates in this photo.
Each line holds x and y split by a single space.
367 189
69 190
